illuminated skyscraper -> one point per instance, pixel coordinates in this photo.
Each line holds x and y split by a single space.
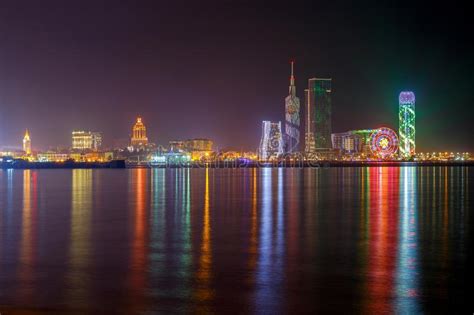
96 140
86 140
27 143
292 117
271 144
139 138
406 115
318 115
310 145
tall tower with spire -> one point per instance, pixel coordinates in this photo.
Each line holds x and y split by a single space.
292 116
27 143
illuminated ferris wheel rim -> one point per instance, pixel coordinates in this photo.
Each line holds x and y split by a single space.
384 142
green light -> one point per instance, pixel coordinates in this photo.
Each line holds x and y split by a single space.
406 117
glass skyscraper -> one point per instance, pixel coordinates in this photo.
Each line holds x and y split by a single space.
318 115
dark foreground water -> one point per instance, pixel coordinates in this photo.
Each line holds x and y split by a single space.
347 240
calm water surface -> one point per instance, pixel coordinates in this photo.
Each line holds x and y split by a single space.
351 240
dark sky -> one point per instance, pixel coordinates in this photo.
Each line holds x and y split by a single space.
218 68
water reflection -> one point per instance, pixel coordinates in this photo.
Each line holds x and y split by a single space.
204 292
158 217
9 198
170 251
186 250
268 277
138 255
407 261
80 247
367 240
158 230
393 253
384 191
28 243
253 244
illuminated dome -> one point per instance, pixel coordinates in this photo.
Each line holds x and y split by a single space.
139 137
384 142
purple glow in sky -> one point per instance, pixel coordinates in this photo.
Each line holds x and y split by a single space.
406 97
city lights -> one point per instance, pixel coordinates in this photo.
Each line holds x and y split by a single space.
384 143
292 117
276 145
407 124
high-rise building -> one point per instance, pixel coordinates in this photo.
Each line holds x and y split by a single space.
318 115
139 138
406 115
81 140
310 144
86 140
271 144
292 117
96 140
27 143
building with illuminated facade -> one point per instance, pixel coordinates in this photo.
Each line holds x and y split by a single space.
51 156
199 148
318 115
271 143
406 131
86 140
352 142
176 146
198 144
139 138
380 143
27 143
292 117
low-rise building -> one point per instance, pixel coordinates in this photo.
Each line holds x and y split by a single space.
51 156
177 146
352 142
198 144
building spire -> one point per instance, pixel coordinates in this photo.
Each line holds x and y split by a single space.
27 143
292 89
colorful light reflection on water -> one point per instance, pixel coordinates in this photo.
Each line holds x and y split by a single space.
383 240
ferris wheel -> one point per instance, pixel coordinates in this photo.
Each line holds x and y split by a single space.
384 142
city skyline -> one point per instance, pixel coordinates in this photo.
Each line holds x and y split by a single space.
303 128
185 85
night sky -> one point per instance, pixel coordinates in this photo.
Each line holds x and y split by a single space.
217 69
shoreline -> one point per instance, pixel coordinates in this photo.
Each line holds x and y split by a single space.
308 164
20 164
121 164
